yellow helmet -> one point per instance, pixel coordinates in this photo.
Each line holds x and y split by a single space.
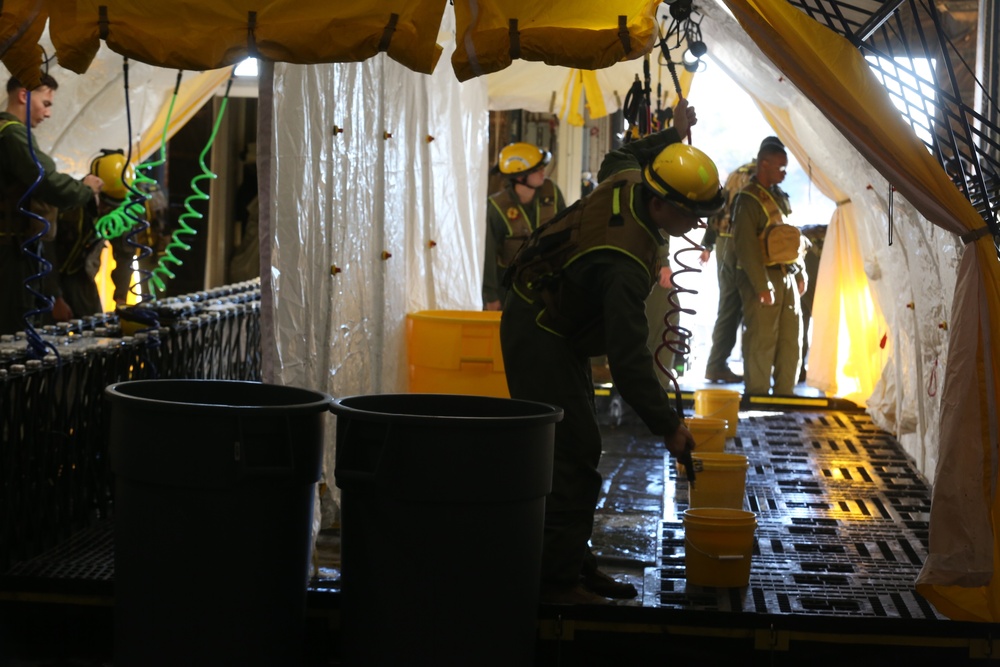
686 177
521 158
109 167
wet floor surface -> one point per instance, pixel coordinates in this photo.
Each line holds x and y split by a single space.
626 522
841 534
841 520
630 509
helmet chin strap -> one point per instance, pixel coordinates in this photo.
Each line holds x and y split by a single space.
522 180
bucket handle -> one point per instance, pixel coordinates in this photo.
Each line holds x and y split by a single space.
715 415
267 459
368 476
722 557
722 410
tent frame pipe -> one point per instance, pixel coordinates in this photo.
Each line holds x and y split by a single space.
875 22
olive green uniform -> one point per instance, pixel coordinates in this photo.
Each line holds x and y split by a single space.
78 259
730 310
18 172
771 333
816 235
508 225
592 303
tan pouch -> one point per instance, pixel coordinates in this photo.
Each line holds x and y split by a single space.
780 244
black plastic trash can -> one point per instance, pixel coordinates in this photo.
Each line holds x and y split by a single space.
442 510
214 489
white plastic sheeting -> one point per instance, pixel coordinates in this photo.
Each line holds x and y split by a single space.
911 281
368 223
348 199
535 86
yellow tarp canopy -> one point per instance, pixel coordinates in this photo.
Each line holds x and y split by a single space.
584 35
199 35
21 27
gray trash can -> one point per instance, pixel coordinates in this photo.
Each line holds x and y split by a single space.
442 511
214 488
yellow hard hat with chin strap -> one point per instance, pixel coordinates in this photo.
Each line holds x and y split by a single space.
109 166
521 157
687 178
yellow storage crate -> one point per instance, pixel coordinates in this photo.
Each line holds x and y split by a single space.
455 352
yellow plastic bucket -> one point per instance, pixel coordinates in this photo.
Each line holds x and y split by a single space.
720 404
720 480
709 433
718 545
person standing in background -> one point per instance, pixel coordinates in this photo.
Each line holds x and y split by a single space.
21 165
815 234
528 200
770 283
730 311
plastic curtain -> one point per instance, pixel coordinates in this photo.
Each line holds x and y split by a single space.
372 210
574 95
196 89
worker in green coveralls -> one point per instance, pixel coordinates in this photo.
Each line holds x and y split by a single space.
527 199
770 285
577 290
25 223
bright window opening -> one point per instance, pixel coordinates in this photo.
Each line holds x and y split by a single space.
910 84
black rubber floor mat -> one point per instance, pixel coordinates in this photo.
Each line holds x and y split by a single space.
842 521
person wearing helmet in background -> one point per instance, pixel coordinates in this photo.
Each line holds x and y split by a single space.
527 200
729 314
19 170
770 288
77 247
577 290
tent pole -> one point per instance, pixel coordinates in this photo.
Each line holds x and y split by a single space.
569 161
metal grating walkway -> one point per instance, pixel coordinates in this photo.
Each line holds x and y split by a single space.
842 519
